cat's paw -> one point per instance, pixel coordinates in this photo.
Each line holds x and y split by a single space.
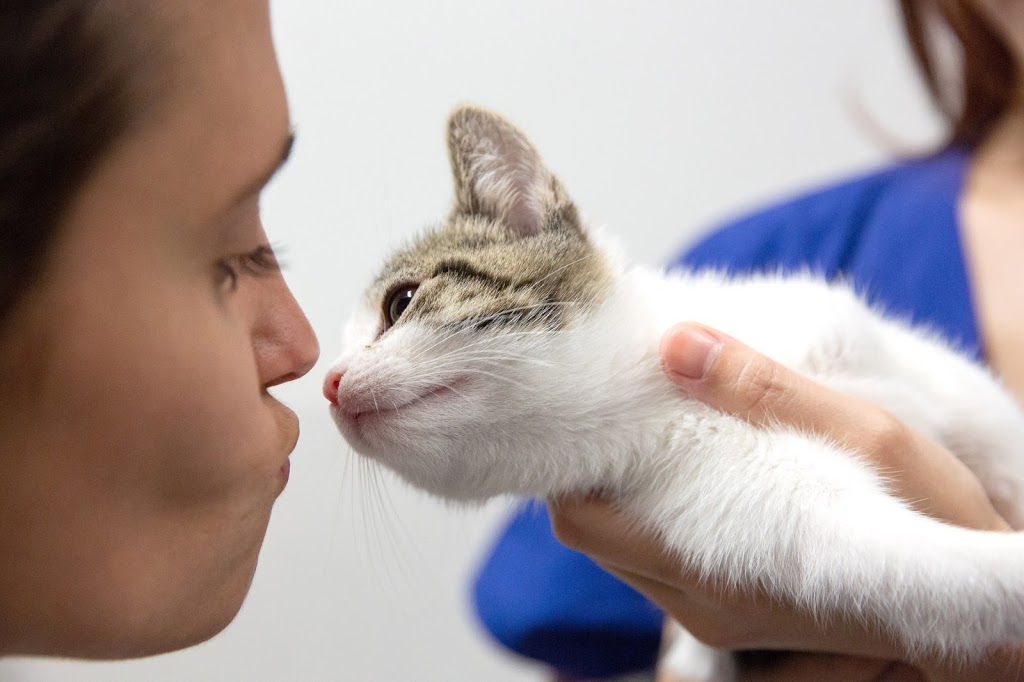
690 659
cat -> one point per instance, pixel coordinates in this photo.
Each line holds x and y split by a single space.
512 350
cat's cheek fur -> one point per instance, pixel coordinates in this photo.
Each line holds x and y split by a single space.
508 417
394 392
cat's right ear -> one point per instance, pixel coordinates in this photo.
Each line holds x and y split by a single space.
500 175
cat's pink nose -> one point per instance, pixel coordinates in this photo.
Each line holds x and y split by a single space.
331 384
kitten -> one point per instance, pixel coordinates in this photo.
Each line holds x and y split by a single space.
512 351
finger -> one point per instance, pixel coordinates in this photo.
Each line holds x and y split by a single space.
728 619
832 667
595 527
730 376
715 613
1002 663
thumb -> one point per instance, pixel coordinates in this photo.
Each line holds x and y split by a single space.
728 375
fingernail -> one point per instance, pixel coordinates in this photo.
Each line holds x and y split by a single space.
691 351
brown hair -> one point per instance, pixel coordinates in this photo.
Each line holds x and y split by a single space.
974 101
63 102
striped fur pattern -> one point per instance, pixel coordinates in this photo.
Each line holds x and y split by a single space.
513 252
512 350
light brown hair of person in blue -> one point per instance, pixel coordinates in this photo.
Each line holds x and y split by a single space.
985 110
143 319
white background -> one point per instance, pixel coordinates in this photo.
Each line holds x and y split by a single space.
659 116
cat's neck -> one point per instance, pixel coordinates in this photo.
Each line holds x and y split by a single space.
617 382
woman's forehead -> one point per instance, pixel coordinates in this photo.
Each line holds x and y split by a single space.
220 120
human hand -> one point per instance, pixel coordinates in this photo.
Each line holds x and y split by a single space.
731 377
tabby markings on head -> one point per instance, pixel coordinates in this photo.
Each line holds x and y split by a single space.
513 252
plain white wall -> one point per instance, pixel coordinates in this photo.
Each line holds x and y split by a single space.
659 115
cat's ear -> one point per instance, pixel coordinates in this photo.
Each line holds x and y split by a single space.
499 174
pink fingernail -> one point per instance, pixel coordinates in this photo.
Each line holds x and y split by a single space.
691 352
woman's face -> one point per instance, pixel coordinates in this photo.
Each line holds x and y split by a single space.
141 450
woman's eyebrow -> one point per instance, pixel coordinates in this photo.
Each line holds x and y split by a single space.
267 175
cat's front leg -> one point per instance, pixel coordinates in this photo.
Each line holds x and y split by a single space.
690 659
780 512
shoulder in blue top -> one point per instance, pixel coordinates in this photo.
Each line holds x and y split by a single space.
894 235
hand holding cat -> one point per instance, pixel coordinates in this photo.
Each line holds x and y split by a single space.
729 376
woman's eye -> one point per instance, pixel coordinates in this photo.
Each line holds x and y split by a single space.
227 275
397 302
259 262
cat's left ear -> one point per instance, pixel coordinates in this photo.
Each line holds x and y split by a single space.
500 175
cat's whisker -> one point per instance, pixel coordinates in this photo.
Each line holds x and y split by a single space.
456 392
386 546
404 389
590 254
485 356
473 323
504 337
492 375
492 343
386 513
345 484
400 537
450 335
465 351
455 366
462 370
365 513
443 384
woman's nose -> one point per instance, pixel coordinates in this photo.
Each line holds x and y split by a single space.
331 384
283 340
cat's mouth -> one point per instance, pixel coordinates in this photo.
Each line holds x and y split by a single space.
362 411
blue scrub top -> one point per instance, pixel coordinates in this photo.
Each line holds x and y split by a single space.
892 233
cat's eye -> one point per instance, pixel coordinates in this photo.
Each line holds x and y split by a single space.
397 302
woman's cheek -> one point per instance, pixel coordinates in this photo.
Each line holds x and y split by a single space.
220 432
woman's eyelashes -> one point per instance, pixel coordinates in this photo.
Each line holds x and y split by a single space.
259 262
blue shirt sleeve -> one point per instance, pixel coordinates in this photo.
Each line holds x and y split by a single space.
553 604
821 231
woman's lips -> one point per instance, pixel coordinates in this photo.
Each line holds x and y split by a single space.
289 424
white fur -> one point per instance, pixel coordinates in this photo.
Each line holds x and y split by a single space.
476 413
546 413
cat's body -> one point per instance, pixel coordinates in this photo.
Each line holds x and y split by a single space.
509 352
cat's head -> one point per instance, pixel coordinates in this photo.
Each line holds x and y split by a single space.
458 370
